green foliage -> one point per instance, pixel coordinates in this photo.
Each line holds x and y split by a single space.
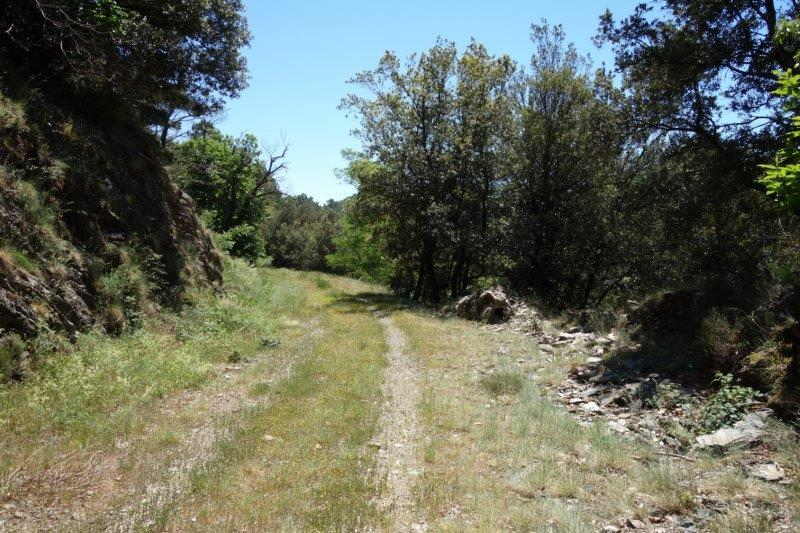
434 132
299 232
507 166
151 58
782 178
124 290
12 348
106 15
702 66
321 282
91 388
244 240
20 258
231 183
360 252
728 405
31 197
668 396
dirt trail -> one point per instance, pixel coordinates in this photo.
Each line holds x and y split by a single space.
398 459
197 449
164 476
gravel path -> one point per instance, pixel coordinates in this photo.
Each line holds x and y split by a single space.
398 459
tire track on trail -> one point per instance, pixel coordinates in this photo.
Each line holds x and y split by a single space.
197 451
398 458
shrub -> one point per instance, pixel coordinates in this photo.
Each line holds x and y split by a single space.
35 204
12 351
502 383
719 340
245 241
728 405
668 396
125 290
114 320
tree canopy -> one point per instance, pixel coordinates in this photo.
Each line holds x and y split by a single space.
152 57
231 182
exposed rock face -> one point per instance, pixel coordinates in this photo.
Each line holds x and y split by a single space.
491 306
83 204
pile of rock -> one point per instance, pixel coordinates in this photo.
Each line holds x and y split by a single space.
589 392
491 306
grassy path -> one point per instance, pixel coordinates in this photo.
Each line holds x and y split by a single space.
303 463
370 415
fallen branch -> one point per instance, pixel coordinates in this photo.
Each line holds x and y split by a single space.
678 456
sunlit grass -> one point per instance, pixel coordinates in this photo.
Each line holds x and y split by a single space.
102 391
500 455
302 462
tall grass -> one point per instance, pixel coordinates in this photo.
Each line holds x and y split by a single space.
92 390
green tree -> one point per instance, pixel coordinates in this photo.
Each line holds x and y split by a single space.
360 252
433 134
782 178
699 74
566 147
299 232
151 57
231 182
703 66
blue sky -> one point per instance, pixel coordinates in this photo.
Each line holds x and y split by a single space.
303 53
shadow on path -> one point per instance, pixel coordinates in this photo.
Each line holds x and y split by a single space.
370 302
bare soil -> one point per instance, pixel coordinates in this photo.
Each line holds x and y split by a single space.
398 459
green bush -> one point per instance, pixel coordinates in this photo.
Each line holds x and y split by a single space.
12 349
728 405
124 290
360 252
34 204
245 241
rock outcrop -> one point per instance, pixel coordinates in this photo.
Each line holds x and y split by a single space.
91 226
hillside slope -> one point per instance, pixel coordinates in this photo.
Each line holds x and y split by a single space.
91 228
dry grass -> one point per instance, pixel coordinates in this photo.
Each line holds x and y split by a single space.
279 439
302 462
496 459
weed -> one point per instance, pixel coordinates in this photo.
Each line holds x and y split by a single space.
322 283
88 392
503 383
668 395
168 439
260 389
19 258
266 342
12 349
32 199
728 405
126 288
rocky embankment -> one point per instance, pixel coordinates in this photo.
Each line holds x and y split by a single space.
91 228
